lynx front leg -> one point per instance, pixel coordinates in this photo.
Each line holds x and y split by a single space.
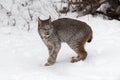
53 51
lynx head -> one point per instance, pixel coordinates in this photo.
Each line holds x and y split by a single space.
45 28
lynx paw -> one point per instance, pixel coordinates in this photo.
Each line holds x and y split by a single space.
48 64
75 59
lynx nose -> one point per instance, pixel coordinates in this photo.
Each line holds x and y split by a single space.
47 33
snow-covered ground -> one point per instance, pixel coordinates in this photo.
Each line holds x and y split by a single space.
23 54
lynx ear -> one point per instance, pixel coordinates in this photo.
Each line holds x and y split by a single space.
39 22
49 19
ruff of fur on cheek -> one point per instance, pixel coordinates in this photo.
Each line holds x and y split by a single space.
45 37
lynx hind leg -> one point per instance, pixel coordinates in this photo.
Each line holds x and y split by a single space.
78 47
53 51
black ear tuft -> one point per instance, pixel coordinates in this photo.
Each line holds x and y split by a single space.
39 19
49 17
39 22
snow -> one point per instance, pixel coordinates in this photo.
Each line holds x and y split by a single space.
23 54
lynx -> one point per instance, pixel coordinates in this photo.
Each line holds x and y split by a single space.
73 32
